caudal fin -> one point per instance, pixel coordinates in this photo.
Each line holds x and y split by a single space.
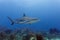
12 22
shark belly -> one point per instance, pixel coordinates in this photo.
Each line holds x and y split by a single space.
30 22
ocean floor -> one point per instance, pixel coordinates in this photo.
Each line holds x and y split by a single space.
27 34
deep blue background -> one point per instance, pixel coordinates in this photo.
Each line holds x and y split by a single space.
48 11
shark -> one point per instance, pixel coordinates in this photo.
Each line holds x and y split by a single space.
24 20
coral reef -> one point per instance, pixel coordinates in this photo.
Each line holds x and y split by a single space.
39 37
28 34
54 31
25 34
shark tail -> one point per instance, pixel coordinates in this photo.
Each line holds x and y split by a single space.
12 22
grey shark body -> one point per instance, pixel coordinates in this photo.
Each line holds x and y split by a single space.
24 20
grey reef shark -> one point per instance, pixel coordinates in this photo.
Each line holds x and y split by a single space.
24 20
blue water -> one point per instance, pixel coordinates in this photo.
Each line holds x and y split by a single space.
48 11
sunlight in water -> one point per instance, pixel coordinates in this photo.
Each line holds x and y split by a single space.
29 3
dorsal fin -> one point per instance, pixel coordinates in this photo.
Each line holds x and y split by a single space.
24 15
